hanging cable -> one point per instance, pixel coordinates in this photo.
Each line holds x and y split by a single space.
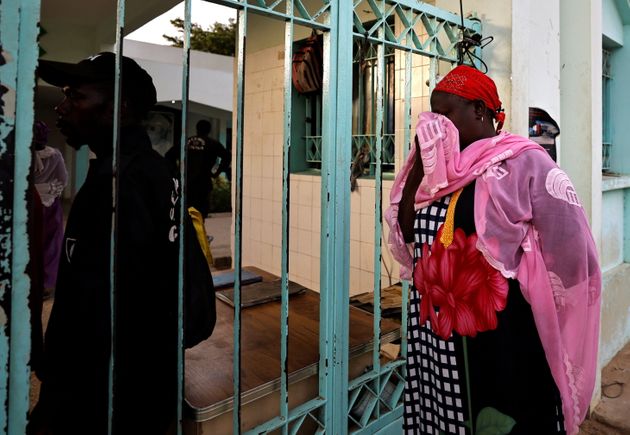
466 47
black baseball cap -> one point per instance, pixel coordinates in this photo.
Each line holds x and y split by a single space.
137 84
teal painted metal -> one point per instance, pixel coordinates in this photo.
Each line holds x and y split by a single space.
284 266
120 24
9 31
429 19
183 159
81 163
626 235
238 218
391 425
373 391
20 338
335 237
378 217
407 143
319 19
314 149
393 428
296 415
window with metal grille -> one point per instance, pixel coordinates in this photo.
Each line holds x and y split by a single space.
364 111
606 101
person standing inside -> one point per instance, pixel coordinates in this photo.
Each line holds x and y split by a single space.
50 178
203 163
74 394
504 308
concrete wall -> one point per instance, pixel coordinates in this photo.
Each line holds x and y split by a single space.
262 189
615 330
496 18
535 72
581 91
164 64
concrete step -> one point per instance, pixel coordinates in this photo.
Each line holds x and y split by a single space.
612 415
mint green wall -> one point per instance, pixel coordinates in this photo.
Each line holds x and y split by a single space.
620 109
612 25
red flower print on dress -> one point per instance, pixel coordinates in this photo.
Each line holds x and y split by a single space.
460 290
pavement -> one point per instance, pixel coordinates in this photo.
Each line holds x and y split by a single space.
612 414
219 227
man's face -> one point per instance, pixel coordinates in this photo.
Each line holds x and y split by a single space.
85 114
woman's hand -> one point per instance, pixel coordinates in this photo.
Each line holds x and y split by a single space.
406 212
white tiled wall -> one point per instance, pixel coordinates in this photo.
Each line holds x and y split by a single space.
262 180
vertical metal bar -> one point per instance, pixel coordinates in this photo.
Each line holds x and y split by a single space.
182 215
238 219
362 111
81 163
406 142
335 237
433 70
284 267
477 28
120 24
20 338
9 30
378 208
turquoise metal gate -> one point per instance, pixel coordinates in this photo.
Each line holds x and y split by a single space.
411 32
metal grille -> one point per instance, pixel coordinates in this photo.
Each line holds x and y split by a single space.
402 28
607 77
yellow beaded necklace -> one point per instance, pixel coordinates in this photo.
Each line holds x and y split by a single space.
449 223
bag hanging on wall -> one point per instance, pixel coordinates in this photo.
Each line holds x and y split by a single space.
308 65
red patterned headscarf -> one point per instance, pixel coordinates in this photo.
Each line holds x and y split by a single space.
472 84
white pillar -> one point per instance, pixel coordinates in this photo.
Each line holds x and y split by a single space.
581 99
535 61
581 116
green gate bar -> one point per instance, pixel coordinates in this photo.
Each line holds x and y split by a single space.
183 159
335 225
238 218
286 204
22 36
120 24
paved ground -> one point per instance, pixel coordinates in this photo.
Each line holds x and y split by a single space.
612 415
219 226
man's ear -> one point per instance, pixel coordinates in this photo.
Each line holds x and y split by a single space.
480 108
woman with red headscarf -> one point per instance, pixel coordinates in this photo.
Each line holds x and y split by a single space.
504 308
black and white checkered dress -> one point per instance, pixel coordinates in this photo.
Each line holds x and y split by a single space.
433 394
507 366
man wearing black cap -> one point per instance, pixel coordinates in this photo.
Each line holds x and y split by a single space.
74 395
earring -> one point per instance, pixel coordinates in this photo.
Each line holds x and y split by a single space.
482 119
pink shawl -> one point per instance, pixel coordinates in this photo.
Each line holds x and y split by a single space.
531 227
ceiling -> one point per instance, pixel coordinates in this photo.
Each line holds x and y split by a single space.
78 28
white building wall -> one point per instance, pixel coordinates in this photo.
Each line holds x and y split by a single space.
535 61
496 18
211 75
262 192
